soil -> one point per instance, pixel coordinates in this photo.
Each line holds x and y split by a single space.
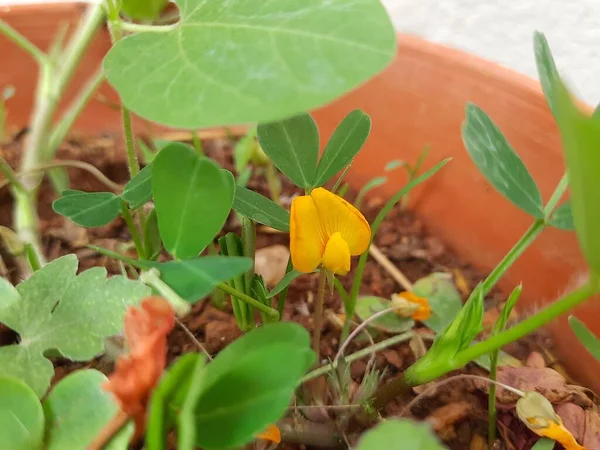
456 410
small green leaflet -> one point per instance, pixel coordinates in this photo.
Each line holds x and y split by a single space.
192 197
261 209
88 209
39 307
585 336
77 409
21 416
343 145
562 217
544 444
227 63
293 146
396 434
498 162
444 299
371 184
284 283
546 68
139 189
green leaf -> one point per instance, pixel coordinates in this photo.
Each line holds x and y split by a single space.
585 336
194 279
444 299
21 416
152 240
499 163
138 190
371 184
581 140
562 217
261 209
88 209
192 197
284 283
510 304
244 149
544 444
292 145
394 165
246 387
232 62
546 68
343 145
55 309
390 323
77 409
396 434
143 9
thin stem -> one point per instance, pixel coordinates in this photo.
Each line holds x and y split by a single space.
10 175
109 430
318 317
132 160
492 400
249 246
389 267
139 28
367 351
283 294
193 338
23 42
197 143
152 279
135 235
271 312
562 186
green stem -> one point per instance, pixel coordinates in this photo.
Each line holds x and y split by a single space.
492 399
197 143
271 312
249 247
23 42
139 28
135 235
281 299
273 182
152 279
562 186
11 176
318 317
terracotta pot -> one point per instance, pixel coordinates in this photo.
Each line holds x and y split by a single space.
420 99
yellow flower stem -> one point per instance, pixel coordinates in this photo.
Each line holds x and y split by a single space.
318 317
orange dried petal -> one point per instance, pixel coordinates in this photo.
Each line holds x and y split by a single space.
272 434
423 312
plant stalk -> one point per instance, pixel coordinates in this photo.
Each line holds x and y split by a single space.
23 42
135 235
11 176
318 317
152 278
271 312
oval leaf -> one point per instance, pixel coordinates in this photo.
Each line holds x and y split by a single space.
21 416
88 209
293 146
585 336
546 68
138 190
562 217
260 209
80 403
400 434
390 323
232 62
445 301
192 198
499 163
343 145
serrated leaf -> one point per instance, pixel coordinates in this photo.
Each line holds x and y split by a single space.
55 309
445 301
261 209
396 434
21 416
498 162
232 62
343 145
192 198
284 283
562 217
390 323
292 145
585 336
88 209
77 409
546 68
236 384
138 190
194 279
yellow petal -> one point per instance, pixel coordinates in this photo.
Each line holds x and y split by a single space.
337 215
336 257
307 238
272 434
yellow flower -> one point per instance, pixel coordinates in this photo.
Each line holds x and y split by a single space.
272 434
537 413
326 230
409 304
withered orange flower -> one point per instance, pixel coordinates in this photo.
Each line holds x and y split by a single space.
138 372
409 304
272 434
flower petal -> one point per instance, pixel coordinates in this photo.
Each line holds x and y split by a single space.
272 434
307 238
337 215
336 257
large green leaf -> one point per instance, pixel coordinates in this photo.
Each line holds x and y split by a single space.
77 409
400 434
499 163
139 189
55 309
242 392
343 145
88 209
581 141
585 336
21 416
444 299
292 145
193 279
546 68
260 209
192 197
239 61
